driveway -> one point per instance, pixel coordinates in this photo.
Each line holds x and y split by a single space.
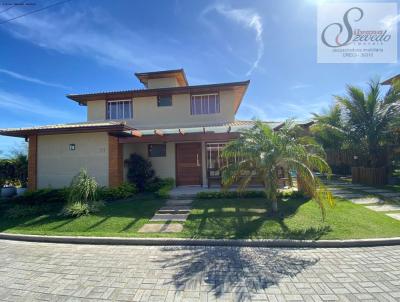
62 272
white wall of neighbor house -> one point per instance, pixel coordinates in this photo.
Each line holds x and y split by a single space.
163 166
146 113
57 164
162 83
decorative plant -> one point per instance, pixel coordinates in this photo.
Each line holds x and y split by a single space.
82 197
140 171
260 151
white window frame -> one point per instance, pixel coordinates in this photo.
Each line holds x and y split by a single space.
217 105
108 113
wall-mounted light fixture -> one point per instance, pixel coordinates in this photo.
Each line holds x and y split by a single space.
72 147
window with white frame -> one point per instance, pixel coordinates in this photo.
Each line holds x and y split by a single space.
119 110
204 104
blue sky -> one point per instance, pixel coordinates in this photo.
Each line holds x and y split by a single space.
90 46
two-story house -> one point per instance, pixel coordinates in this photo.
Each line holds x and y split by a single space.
180 128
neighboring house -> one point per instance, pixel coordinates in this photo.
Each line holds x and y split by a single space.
180 128
391 80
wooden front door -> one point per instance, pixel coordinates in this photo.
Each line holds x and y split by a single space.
188 164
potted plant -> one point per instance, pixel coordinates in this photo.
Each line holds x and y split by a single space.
8 190
21 187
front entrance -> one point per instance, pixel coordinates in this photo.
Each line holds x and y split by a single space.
188 164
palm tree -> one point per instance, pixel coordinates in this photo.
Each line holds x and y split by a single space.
365 120
328 129
259 152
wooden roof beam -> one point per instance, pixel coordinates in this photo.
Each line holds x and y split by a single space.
136 133
158 132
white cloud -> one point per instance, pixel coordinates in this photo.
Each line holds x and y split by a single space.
30 79
92 33
246 17
21 104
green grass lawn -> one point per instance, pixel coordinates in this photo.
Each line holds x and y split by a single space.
300 219
217 218
117 218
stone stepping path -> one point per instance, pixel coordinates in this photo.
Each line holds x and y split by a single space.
394 215
376 203
379 191
170 217
179 202
349 195
367 200
161 228
175 210
389 194
384 208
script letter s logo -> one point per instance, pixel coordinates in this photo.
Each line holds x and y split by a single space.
347 24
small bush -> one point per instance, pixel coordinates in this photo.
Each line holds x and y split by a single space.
124 191
154 185
166 185
245 194
140 171
77 209
42 196
23 210
82 198
230 194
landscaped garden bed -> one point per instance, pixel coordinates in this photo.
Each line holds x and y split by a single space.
299 218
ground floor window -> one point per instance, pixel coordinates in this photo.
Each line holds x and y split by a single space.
157 150
215 161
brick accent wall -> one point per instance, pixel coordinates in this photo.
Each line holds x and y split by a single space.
115 162
32 163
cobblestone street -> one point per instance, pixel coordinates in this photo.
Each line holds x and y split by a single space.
62 272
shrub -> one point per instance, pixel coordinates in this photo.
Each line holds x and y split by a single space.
77 208
166 185
82 197
43 196
245 194
124 191
24 210
140 171
230 194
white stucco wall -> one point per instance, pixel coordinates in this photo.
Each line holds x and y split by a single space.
57 165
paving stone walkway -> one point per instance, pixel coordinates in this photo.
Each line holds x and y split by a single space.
360 194
62 272
175 210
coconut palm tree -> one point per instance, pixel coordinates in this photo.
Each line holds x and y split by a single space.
361 120
368 117
328 129
260 151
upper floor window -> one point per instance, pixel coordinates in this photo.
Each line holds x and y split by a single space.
119 110
164 100
204 104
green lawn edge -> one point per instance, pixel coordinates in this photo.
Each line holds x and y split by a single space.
241 218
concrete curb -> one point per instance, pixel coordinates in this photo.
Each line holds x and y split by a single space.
205 242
